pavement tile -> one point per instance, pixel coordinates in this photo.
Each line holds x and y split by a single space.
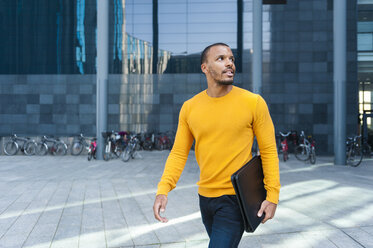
342 240
109 204
38 241
118 237
67 242
47 230
319 239
249 241
12 240
359 235
368 229
92 239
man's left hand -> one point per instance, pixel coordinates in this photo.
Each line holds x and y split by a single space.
269 209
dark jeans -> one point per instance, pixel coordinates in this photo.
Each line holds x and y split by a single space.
222 219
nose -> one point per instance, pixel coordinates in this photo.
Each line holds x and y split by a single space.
229 63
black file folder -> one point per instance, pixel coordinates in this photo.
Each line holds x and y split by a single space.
249 186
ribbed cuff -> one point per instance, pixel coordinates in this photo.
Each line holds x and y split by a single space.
272 197
163 189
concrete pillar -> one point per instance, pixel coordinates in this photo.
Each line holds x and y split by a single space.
102 73
339 58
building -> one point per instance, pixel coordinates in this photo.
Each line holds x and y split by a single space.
48 62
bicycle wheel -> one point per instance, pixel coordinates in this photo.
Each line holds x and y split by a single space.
90 155
147 145
126 154
367 150
60 149
285 156
11 148
107 153
30 148
301 152
313 156
158 145
41 149
117 151
355 156
76 148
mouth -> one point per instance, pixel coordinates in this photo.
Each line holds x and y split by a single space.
229 72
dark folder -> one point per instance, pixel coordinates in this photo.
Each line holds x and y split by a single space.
249 186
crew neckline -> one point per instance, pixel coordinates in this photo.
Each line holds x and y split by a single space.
220 97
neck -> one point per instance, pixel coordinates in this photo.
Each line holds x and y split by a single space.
218 90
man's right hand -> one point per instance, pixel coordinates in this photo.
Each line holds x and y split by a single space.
159 207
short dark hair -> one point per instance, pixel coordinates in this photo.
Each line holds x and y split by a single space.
206 50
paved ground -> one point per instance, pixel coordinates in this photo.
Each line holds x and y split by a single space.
70 202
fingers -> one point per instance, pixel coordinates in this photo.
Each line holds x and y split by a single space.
160 207
268 209
266 217
262 208
163 205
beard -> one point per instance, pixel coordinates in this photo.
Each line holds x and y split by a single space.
226 82
219 79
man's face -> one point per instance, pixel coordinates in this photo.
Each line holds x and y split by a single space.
220 65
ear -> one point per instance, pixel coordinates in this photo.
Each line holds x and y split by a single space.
204 68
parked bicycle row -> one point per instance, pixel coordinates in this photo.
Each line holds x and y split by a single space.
56 146
30 146
304 147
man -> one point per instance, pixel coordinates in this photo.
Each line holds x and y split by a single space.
223 121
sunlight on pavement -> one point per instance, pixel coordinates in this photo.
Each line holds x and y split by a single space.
134 232
362 214
301 189
137 231
307 167
86 202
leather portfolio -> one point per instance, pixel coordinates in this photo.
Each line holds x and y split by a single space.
249 186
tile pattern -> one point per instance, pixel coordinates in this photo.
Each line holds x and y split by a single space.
70 202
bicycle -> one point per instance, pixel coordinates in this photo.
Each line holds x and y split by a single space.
112 145
366 148
57 147
354 153
147 141
162 142
92 149
79 142
131 149
11 147
285 146
305 150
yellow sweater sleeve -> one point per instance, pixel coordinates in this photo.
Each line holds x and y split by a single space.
265 135
178 156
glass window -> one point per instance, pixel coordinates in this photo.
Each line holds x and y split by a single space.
365 42
187 27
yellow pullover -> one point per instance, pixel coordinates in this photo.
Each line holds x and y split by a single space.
223 129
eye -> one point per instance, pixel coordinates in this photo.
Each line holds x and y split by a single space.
232 59
220 58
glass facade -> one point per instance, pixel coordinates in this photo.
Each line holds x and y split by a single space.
59 37
186 27
365 58
48 62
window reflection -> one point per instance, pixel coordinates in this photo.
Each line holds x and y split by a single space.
69 45
365 57
80 48
187 27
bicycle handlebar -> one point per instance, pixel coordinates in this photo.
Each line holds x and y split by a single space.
285 135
